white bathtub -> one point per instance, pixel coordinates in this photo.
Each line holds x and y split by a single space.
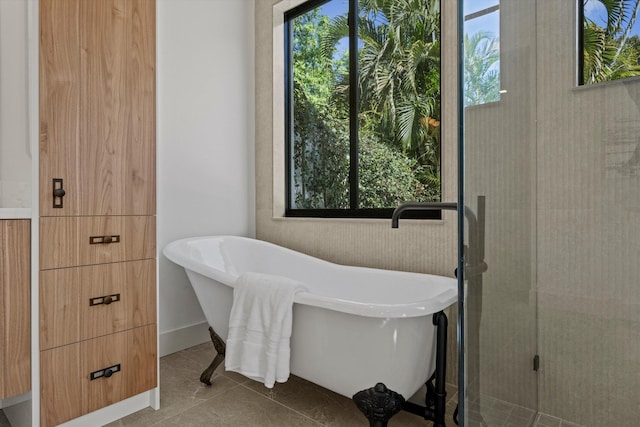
354 328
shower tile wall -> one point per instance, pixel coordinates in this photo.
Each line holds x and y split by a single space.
588 228
560 167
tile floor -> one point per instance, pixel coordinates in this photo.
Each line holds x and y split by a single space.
236 401
543 420
490 412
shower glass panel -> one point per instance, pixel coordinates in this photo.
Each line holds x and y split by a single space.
499 97
553 167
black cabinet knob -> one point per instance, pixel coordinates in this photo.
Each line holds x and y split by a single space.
58 192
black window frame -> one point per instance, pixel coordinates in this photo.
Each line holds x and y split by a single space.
381 213
581 43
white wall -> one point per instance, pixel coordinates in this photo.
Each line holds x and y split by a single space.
15 156
205 142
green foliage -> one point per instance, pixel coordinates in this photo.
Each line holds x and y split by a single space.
312 71
609 52
320 157
399 115
399 68
320 146
387 177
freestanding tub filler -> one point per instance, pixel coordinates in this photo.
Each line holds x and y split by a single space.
354 328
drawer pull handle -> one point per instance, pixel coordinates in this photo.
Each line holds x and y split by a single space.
104 300
105 372
104 240
58 193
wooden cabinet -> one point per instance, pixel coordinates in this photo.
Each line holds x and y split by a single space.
77 304
97 205
15 303
97 115
75 241
79 378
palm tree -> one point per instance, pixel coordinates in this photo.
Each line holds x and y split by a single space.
606 53
399 78
481 79
399 69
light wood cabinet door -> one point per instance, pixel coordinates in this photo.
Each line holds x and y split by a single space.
80 303
97 107
80 378
15 307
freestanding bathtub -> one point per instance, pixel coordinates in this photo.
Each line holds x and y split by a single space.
354 327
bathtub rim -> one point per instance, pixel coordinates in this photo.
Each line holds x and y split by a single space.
176 252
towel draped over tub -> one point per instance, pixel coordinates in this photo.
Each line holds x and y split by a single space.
260 327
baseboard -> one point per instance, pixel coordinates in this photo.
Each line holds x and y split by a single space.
181 338
114 412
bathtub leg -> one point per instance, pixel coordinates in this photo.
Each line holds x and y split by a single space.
439 393
436 396
220 347
378 404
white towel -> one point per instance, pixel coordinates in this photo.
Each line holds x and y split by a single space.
260 327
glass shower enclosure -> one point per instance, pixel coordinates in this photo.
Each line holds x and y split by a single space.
551 168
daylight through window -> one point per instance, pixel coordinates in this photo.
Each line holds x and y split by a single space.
609 40
362 106
481 51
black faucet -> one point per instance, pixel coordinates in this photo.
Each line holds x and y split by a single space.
420 206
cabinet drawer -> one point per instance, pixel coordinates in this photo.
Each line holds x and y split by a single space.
85 302
76 241
75 379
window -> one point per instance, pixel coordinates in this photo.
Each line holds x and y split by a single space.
609 42
481 52
362 106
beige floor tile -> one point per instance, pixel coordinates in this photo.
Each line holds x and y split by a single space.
239 407
180 390
547 421
520 421
318 403
4 422
329 408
